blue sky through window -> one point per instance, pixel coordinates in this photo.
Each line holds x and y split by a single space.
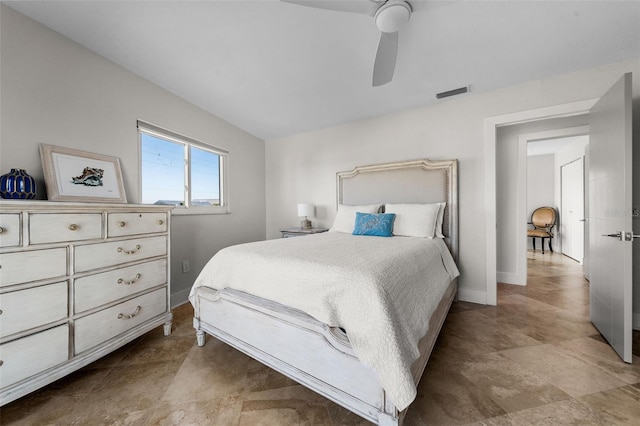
205 176
163 172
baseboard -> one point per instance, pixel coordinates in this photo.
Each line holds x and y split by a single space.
511 278
636 321
179 298
472 296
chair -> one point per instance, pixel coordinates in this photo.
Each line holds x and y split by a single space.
543 220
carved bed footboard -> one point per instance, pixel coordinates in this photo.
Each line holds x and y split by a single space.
307 351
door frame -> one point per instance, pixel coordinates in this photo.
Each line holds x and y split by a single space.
562 207
490 130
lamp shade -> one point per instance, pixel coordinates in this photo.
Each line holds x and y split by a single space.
305 209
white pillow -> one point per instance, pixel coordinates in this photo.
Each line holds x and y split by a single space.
438 231
345 220
414 220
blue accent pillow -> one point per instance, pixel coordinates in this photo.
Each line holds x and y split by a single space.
376 225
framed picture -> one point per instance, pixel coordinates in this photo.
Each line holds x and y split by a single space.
73 175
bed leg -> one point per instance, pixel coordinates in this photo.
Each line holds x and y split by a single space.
200 337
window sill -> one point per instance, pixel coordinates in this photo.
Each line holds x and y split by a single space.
184 211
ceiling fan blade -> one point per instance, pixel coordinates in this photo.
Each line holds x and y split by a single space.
352 6
385 63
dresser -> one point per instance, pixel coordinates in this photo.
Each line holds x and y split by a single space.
77 281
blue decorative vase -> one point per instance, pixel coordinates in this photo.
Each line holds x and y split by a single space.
17 185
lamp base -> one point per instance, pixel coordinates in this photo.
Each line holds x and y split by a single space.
305 224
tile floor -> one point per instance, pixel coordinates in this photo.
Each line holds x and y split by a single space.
534 359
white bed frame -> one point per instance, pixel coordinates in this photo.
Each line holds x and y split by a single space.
312 353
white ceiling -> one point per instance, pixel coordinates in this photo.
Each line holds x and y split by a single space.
275 68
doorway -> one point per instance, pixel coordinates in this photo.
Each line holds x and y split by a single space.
527 177
492 124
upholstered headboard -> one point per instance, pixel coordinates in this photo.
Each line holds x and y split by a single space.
413 182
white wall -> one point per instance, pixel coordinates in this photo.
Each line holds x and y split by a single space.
54 91
303 166
540 187
508 222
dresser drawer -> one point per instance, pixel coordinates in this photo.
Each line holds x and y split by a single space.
26 266
33 354
108 323
59 227
122 224
94 256
9 229
26 309
95 290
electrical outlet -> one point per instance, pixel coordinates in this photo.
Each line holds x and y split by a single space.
185 266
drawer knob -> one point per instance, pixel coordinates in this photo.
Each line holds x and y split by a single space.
73 227
133 281
160 222
132 251
1 229
126 317
122 224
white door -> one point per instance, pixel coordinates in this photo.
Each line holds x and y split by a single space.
572 212
609 222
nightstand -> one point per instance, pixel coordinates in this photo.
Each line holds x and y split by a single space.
299 232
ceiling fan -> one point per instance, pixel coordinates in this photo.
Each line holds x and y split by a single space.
389 16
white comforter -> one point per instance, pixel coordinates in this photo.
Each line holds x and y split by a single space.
381 290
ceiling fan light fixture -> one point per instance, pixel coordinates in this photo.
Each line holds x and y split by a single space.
392 15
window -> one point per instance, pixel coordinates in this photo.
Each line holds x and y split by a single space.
177 170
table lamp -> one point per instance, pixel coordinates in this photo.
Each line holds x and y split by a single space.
304 210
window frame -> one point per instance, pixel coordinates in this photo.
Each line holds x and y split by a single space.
187 143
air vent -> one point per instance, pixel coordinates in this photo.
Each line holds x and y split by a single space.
452 92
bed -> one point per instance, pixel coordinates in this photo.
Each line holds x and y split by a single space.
296 311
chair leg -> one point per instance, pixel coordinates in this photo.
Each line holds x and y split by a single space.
534 244
550 248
